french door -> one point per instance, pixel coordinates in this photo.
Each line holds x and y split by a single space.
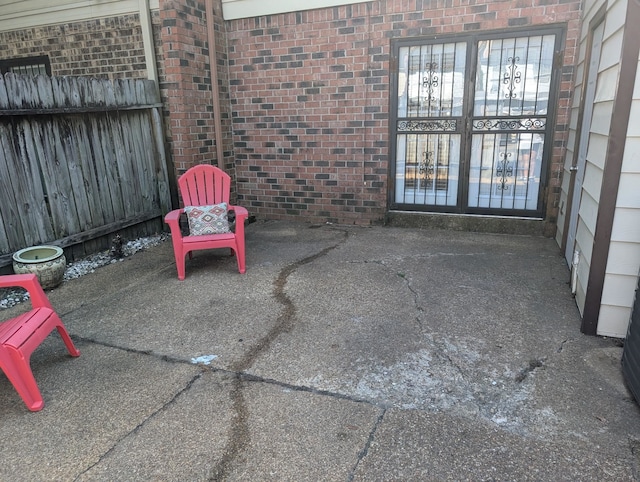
471 123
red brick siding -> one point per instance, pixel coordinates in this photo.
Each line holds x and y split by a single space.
310 98
186 85
304 96
105 47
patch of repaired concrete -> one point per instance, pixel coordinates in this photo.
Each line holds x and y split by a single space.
452 376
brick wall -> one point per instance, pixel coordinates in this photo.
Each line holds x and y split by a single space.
187 85
310 97
304 96
106 47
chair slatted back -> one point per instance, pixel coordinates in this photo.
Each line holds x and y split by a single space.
204 185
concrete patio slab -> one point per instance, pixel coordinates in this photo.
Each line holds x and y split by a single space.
344 353
409 446
92 403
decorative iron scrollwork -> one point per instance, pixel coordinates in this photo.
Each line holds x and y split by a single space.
431 80
504 170
427 126
531 124
426 167
512 77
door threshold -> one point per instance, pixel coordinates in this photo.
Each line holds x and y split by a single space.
471 222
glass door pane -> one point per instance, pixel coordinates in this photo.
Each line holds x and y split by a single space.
505 170
424 171
512 86
431 81
472 140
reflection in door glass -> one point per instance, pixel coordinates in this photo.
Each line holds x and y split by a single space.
505 170
514 76
431 80
512 86
427 169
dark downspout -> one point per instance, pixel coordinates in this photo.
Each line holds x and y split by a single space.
213 67
613 165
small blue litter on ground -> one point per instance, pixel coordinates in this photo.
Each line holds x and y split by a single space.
204 359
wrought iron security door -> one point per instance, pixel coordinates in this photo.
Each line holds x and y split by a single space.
470 124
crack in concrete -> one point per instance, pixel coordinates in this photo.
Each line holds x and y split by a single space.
144 422
312 390
239 436
447 356
533 365
438 379
167 358
562 344
365 450
285 320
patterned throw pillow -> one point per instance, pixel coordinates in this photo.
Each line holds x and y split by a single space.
207 219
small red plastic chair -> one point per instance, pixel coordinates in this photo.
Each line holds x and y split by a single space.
206 185
21 335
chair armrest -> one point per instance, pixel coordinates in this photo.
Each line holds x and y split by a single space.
173 220
173 216
30 283
241 213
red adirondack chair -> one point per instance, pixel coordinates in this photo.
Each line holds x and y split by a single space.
205 193
21 335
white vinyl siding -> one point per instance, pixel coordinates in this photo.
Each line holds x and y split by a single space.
589 9
623 264
624 257
613 320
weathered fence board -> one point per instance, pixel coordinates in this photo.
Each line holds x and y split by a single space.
79 157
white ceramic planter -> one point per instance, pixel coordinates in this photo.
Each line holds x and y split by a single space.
46 262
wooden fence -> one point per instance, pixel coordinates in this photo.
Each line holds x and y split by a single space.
80 158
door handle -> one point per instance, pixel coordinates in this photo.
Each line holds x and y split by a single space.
573 168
